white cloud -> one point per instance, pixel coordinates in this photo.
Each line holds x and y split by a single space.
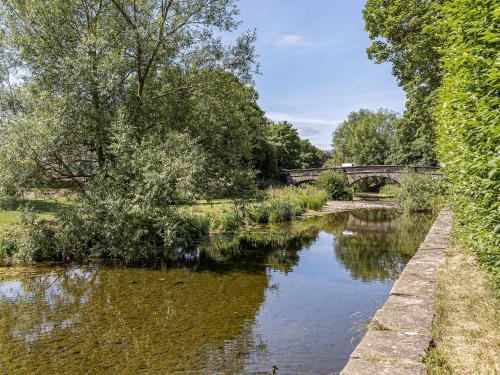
277 116
291 40
305 131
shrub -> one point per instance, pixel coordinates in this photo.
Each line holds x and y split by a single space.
335 184
259 213
389 189
114 229
286 203
3 253
28 243
229 220
420 193
280 211
306 197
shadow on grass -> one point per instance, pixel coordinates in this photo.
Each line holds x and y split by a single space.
39 206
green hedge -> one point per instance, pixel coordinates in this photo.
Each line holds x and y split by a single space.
467 114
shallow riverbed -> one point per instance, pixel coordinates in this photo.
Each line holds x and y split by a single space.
294 295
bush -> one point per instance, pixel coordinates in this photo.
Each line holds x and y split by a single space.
304 197
286 203
280 211
335 184
389 189
228 221
32 241
114 230
420 193
259 213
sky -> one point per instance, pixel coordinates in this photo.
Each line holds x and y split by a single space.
314 66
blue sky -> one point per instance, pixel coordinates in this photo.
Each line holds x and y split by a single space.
314 64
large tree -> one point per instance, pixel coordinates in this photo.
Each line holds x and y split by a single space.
366 137
403 34
90 72
286 140
136 104
290 150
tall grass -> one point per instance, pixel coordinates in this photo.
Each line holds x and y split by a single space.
279 205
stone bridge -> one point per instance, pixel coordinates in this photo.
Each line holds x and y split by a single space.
356 173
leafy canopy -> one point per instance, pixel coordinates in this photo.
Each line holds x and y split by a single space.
403 35
365 138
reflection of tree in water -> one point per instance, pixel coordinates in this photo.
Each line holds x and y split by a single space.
276 246
196 318
379 251
128 320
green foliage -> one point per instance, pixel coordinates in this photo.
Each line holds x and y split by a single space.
33 241
310 155
228 221
389 189
265 162
286 140
365 138
304 197
335 184
281 211
114 230
467 122
436 362
133 133
281 204
403 34
420 193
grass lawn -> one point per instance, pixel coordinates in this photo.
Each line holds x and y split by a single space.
211 209
466 328
45 207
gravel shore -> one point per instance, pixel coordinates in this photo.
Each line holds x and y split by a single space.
339 206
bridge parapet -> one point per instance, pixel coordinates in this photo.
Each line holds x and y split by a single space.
355 173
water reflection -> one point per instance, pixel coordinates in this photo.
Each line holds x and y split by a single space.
281 294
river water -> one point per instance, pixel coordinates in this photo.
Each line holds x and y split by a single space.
297 296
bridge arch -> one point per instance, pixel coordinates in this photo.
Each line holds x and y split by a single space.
393 177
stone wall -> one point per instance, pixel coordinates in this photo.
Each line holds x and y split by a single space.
400 332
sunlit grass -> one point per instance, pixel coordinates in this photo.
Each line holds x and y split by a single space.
466 329
45 207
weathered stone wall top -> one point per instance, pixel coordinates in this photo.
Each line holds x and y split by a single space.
400 332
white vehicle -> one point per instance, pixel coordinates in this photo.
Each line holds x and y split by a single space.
348 165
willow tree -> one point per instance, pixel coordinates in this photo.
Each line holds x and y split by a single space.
83 68
136 104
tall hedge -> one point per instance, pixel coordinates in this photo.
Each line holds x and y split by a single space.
468 128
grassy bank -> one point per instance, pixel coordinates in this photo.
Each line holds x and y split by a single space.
30 231
466 328
276 205
45 207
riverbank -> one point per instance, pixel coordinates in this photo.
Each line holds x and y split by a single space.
400 332
466 328
35 230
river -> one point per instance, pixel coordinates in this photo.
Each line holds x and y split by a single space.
297 296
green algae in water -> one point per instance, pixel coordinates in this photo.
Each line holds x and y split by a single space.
283 294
